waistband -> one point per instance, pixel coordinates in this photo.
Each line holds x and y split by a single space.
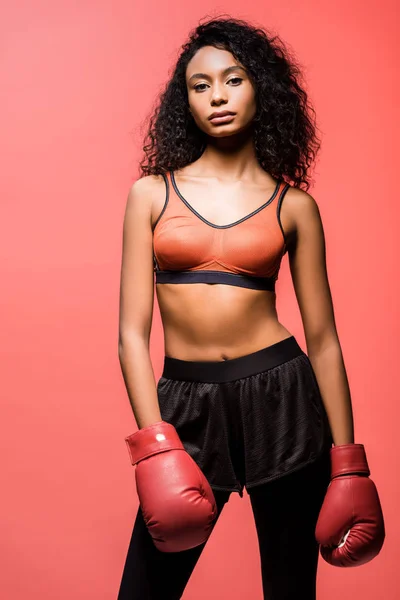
234 368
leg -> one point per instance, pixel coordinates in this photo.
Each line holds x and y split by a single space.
285 513
150 574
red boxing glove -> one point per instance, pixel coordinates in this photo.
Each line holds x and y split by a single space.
350 526
177 502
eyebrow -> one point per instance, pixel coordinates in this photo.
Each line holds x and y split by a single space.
224 72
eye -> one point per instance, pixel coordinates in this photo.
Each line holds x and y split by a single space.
235 79
197 87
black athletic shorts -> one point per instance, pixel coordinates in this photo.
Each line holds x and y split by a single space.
247 420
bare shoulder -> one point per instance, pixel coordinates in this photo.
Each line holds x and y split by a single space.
298 201
146 188
299 209
147 194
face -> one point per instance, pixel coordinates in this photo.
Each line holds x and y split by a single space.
217 82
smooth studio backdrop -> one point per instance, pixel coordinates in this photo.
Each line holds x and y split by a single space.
78 79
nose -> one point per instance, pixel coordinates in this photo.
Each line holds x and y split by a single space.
218 94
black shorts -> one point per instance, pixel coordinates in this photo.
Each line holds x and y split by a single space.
247 420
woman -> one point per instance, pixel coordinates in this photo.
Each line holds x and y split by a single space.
238 403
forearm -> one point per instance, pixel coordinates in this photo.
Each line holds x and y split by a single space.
138 374
329 369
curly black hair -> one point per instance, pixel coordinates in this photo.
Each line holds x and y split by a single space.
284 128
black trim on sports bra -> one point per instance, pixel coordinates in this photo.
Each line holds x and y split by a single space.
201 276
165 202
194 211
278 210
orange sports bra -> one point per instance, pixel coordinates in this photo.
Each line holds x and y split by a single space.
189 249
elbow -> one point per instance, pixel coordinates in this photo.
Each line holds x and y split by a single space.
129 341
318 344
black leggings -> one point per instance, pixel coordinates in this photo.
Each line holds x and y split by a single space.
285 514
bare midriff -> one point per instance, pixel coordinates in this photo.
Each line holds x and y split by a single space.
217 322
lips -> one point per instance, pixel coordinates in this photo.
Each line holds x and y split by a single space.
223 113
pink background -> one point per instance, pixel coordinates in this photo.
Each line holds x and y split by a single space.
77 81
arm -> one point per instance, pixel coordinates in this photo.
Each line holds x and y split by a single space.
165 474
350 527
307 262
136 304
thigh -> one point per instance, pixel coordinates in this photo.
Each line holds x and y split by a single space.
286 512
150 574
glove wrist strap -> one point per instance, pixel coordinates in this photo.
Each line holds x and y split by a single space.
348 459
156 438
